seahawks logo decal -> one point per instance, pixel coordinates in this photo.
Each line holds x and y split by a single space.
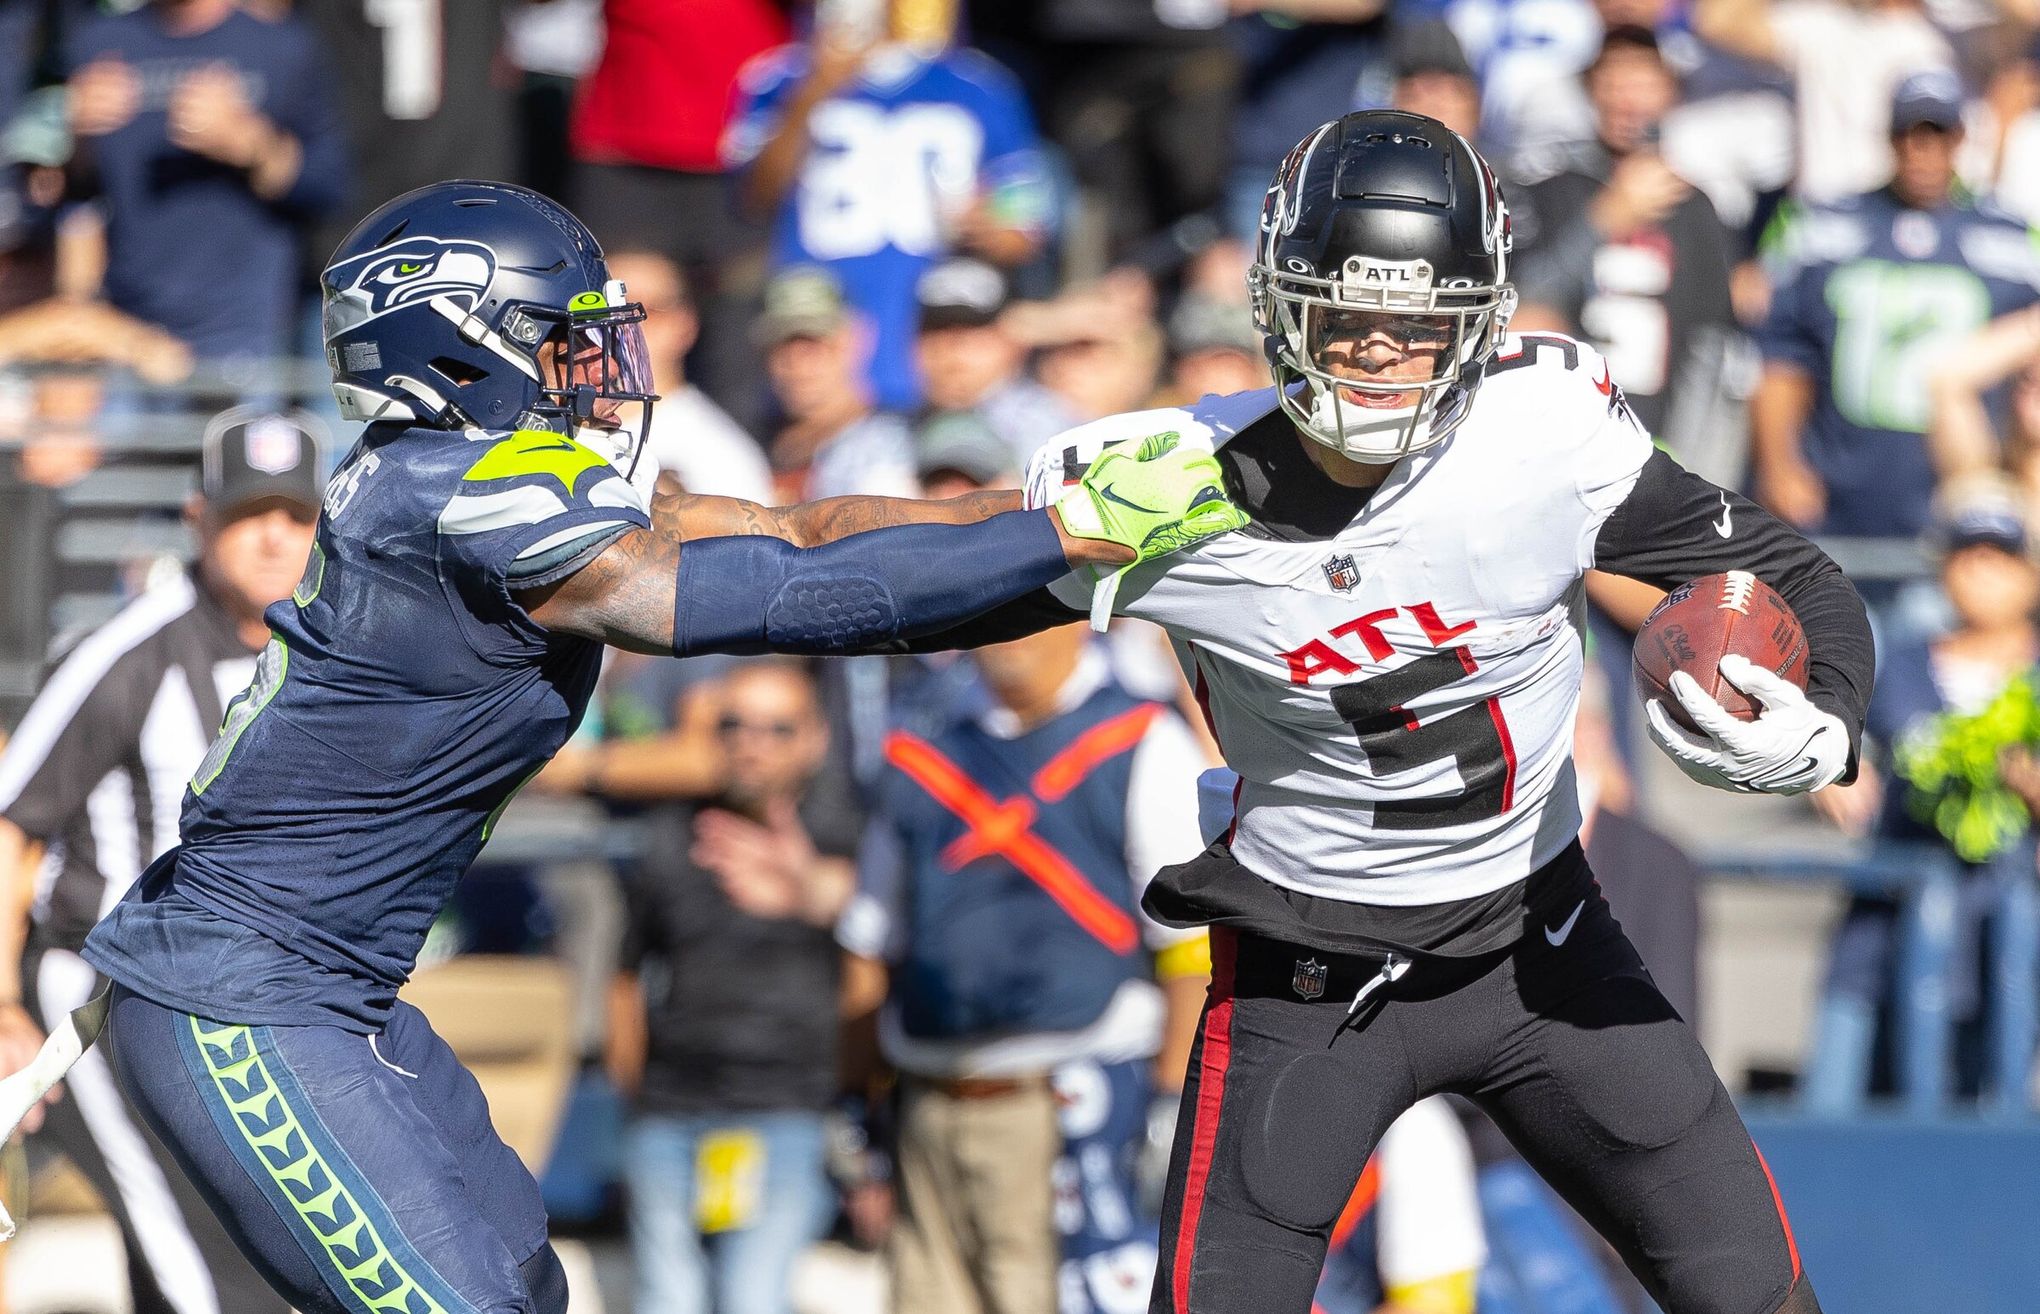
405 273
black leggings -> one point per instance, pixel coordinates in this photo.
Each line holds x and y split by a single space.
1569 1047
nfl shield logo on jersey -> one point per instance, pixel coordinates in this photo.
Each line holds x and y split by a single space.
1309 979
1341 573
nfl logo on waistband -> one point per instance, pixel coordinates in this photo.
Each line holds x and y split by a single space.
1341 573
1309 980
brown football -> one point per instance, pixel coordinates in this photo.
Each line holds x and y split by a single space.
1704 620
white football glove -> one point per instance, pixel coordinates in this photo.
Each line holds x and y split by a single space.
1791 747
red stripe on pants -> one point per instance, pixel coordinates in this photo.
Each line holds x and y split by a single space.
1217 1056
1779 1201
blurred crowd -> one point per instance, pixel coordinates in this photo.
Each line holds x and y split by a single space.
880 949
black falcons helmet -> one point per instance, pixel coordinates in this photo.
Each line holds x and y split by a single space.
1381 212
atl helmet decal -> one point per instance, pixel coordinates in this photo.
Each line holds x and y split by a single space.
413 270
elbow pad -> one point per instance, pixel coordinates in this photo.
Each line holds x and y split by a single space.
750 594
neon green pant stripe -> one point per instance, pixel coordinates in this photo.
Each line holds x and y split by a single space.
328 1210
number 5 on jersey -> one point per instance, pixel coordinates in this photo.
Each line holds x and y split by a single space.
1474 739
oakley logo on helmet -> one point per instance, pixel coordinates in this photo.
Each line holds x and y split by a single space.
413 270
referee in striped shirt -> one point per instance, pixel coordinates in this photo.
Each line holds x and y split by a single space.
94 779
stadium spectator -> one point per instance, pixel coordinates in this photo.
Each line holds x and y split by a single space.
1138 96
209 137
648 171
833 442
1954 694
970 360
1098 347
2000 156
422 96
60 330
1300 64
1524 51
93 779
1617 249
693 439
876 154
721 1026
1870 292
1433 78
1964 436
553 45
997 920
1846 60
1213 348
1730 136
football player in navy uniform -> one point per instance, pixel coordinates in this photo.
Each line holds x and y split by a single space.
487 534
1390 658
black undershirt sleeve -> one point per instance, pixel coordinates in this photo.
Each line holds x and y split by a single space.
1669 530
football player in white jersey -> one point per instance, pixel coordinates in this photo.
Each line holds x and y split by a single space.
1390 657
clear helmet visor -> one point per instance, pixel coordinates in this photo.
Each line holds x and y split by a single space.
596 378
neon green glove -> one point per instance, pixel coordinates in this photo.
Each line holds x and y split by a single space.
1149 496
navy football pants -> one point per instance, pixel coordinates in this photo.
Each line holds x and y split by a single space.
359 1174
1569 1046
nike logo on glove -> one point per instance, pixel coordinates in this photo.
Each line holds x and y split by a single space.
1110 496
1558 937
1724 525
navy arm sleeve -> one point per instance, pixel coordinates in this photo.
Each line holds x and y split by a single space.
751 594
1675 526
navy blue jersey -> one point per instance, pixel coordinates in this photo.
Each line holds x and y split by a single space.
1868 293
403 697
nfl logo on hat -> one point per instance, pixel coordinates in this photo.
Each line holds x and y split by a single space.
274 445
1308 980
1341 573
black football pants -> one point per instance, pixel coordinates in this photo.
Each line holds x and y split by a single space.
1569 1047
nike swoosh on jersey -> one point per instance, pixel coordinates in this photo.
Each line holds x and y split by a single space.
1725 525
1558 937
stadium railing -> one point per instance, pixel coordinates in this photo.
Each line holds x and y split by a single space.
1923 879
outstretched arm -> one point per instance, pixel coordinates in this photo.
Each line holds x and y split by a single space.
811 524
746 578
711 575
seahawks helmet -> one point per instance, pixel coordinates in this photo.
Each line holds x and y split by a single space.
1396 217
482 304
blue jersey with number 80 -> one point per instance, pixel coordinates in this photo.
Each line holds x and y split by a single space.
403 698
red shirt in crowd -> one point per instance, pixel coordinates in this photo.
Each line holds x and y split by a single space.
663 89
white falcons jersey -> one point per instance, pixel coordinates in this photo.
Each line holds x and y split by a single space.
1398 701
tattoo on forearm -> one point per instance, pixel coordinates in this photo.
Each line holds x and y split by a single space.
839 517
625 596
682 515
692 515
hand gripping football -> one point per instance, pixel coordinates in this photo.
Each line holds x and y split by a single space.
1704 620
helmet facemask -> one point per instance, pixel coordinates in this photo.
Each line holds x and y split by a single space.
1320 330
595 374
